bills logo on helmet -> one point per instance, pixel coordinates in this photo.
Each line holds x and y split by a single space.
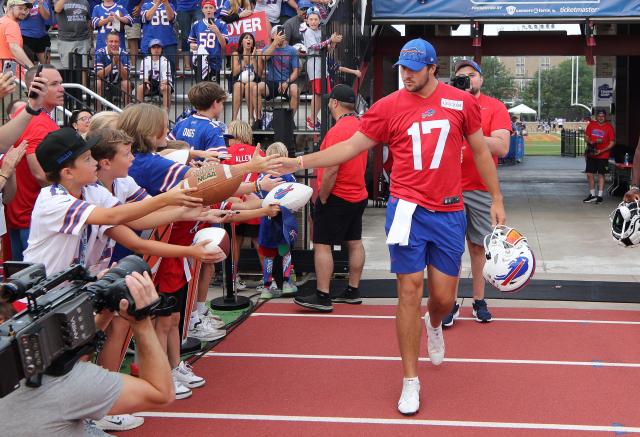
517 268
281 192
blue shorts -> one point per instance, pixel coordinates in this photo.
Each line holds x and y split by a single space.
436 238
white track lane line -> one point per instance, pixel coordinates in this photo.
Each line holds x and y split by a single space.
450 360
415 422
495 319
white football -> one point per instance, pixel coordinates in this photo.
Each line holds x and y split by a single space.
292 195
247 76
218 237
181 156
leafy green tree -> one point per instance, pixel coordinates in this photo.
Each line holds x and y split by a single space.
498 82
555 91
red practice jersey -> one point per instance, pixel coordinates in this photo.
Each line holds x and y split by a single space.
425 141
241 153
494 117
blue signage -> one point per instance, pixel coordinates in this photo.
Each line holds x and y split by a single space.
465 9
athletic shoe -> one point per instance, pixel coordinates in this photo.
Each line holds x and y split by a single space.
317 301
435 342
214 321
91 430
182 392
184 375
409 402
121 422
590 198
452 316
599 199
289 288
240 285
347 295
269 293
204 330
480 311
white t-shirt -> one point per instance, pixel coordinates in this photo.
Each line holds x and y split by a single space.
157 69
272 9
314 64
59 235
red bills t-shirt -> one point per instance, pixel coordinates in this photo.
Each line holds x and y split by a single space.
494 117
170 276
241 153
425 140
604 133
349 184
18 212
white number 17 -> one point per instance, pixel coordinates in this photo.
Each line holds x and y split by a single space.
425 128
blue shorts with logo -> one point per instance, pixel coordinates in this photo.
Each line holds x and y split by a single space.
436 238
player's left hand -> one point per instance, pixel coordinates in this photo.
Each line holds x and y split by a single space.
498 216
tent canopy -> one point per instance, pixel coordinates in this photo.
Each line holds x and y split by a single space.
521 109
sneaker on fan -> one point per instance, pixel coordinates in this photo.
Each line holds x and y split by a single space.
240 285
204 330
210 314
121 422
409 402
214 321
184 374
269 293
91 430
289 288
182 392
435 342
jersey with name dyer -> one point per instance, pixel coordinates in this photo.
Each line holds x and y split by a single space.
425 138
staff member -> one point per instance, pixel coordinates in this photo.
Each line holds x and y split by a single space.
342 197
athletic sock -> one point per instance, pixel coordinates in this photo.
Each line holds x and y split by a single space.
600 193
593 192
201 308
410 380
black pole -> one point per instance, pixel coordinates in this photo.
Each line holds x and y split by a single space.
230 301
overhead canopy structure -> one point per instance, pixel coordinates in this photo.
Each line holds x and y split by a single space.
504 9
522 109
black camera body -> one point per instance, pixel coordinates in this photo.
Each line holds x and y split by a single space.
461 82
58 326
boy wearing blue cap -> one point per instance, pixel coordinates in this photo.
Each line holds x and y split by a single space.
425 216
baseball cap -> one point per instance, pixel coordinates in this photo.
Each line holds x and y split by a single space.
18 3
61 146
343 93
304 5
208 2
467 63
417 54
155 42
313 10
276 29
601 111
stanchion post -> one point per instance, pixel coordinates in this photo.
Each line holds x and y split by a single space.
230 301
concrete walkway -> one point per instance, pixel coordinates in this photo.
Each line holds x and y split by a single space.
543 198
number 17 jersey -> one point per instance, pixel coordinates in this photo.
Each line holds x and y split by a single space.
425 137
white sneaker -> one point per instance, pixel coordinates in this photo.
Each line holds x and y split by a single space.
184 375
214 321
289 288
211 315
121 422
409 402
240 285
435 342
204 330
182 392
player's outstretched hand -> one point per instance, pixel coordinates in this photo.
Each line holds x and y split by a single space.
498 216
259 163
214 255
178 196
283 165
143 292
633 195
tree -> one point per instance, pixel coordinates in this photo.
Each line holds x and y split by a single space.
498 82
555 91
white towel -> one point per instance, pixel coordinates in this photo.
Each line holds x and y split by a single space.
401 226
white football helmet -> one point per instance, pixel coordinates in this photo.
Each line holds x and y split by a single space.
510 262
625 224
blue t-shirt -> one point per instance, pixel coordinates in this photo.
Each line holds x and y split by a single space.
100 12
201 133
34 25
103 60
282 61
155 173
159 26
201 35
222 8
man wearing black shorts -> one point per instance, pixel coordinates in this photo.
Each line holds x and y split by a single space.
600 138
342 197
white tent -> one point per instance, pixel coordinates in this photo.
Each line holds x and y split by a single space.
521 109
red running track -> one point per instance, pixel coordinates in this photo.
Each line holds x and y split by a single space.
255 395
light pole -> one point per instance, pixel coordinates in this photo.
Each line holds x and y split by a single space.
539 88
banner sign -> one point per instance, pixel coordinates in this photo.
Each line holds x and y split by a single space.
468 9
255 24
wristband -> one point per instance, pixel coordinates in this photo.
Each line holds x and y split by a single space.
3 176
300 162
32 111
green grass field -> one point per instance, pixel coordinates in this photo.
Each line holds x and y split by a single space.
542 144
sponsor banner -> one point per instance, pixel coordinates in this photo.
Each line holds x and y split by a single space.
425 9
255 24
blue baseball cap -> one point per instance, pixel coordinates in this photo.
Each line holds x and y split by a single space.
467 63
417 54
155 42
304 4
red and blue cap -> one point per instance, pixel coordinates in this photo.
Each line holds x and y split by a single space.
417 54
467 63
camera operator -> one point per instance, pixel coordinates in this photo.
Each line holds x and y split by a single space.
60 406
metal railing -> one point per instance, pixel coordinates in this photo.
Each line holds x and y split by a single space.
572 143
